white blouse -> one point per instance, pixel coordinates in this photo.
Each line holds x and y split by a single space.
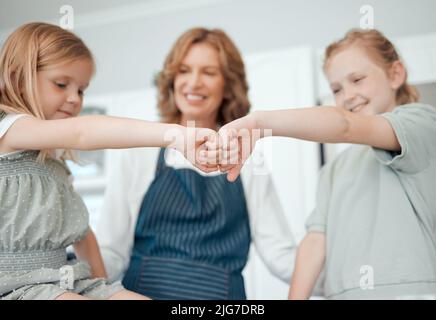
132 173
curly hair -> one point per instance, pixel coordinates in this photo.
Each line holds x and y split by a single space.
235 103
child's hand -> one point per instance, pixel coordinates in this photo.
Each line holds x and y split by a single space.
236 143
194 145
208 145
230 152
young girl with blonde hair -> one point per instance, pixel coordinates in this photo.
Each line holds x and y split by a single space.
373 229
44 71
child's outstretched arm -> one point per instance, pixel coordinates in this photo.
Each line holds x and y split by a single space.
329 125
319 124
308 266
87 250
103 132
87 133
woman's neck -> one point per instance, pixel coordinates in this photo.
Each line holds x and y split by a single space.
200 123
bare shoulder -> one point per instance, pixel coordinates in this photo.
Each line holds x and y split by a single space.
9 130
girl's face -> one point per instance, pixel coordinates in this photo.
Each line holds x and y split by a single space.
199 84
360 85
61 88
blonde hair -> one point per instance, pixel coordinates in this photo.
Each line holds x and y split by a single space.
381 50
31 48
235 102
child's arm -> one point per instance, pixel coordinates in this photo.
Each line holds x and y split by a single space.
104 132
310 261
87 133
329 125
87 249
320 124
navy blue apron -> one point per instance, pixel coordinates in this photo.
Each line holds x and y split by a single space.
191 239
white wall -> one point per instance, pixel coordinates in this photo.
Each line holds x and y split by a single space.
130 42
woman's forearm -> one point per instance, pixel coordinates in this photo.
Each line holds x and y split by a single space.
87 249
310 261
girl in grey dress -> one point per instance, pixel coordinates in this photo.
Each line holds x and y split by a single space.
44 71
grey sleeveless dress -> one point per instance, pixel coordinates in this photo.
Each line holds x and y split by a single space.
40 216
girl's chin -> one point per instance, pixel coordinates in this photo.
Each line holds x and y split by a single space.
366 110
61 115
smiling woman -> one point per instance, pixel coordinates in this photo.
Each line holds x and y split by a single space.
203 69
180 233
199 86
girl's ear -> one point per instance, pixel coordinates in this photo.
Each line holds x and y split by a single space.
397 75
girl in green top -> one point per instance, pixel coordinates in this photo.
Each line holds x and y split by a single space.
44 71
374 227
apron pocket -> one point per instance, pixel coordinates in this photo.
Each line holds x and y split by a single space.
166 278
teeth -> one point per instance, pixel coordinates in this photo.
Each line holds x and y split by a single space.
357 108
194 97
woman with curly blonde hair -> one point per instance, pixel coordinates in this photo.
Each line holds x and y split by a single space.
234 103
172 231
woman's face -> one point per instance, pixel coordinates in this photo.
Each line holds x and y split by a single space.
199 84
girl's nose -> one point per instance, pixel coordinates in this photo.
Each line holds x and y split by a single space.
74 98
349 95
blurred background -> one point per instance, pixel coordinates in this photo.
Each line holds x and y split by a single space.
282 42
